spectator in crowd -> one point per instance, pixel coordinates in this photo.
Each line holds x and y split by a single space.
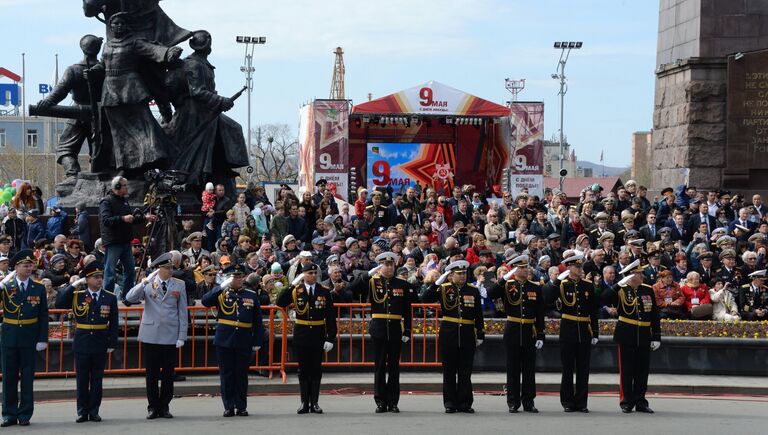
669 298
724 303
81 229
242 210
35 230
56 221
697 299
15 228
4 260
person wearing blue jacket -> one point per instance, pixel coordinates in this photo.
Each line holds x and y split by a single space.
35 230
56 222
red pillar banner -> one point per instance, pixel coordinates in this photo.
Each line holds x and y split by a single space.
324 142
526 133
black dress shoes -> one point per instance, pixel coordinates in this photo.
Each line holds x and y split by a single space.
229 413
81 418
645 409
584 410
513 408
467 410
242 413
303 409
394 409
8 423
166 414
152 414
380 409
95 418
532 409
23 422
626 409
315 409
450 410
570 409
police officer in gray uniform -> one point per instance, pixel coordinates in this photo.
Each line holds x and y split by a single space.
163 330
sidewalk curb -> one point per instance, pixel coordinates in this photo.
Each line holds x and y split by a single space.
187 388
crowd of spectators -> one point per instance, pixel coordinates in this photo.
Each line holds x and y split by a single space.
700 249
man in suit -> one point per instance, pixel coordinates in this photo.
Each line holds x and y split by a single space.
678 230
743 221
163 329
24 332
702 217
650 231
95 311
760 209
239 332
314 331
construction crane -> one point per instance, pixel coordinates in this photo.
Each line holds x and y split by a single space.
337 85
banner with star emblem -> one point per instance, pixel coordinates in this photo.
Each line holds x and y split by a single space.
404 165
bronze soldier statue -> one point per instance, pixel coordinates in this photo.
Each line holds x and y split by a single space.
85 95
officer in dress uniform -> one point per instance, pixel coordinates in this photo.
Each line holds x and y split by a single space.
24 331
579 331
637 333
95 313
461 331
390 298
314 331
162 331
524 333
239 332
753 298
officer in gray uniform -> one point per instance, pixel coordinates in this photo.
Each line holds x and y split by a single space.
163 330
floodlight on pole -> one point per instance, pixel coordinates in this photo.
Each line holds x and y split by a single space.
565 47
514 87
248 69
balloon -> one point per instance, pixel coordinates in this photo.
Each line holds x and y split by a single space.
13 191
5 197
7 185
15 182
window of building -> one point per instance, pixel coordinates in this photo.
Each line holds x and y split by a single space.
32 138
2 138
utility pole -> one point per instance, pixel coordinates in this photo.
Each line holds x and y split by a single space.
565 47
250 43
23 116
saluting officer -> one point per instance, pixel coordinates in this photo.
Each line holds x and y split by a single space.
524 333
95 313
637 333
163 330
24 331
314 332
753 297
579 331
390 326
239 331
461 331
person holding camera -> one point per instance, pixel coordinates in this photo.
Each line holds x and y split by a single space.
116 220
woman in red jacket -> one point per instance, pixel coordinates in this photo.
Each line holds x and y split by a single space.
696 295
362 196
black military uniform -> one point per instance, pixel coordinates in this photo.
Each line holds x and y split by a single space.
315 325
524 306
579 305
638 326
239 331
390 326
461 330
754 296
96 317
24 331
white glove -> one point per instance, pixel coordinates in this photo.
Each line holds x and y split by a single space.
226 283
296 281
41 346
8 278
655 345
539 344
327 346
150 276
478 342
594 341
110 350
509 275
179 343
442 278
256 348
406 338
80 282
374 270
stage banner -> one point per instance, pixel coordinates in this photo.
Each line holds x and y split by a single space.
331 119
404 165
526 139
306 178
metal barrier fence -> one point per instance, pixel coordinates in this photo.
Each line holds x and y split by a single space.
195 356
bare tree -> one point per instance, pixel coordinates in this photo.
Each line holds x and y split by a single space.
274 155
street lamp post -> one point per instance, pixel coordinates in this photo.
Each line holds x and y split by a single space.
250 43
565 48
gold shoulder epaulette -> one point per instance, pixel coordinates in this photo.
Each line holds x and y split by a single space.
445 284
80 291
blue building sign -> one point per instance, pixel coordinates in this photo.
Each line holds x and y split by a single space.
10 92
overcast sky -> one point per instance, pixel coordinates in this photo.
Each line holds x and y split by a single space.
392 45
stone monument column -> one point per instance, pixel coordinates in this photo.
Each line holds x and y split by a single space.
691 142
